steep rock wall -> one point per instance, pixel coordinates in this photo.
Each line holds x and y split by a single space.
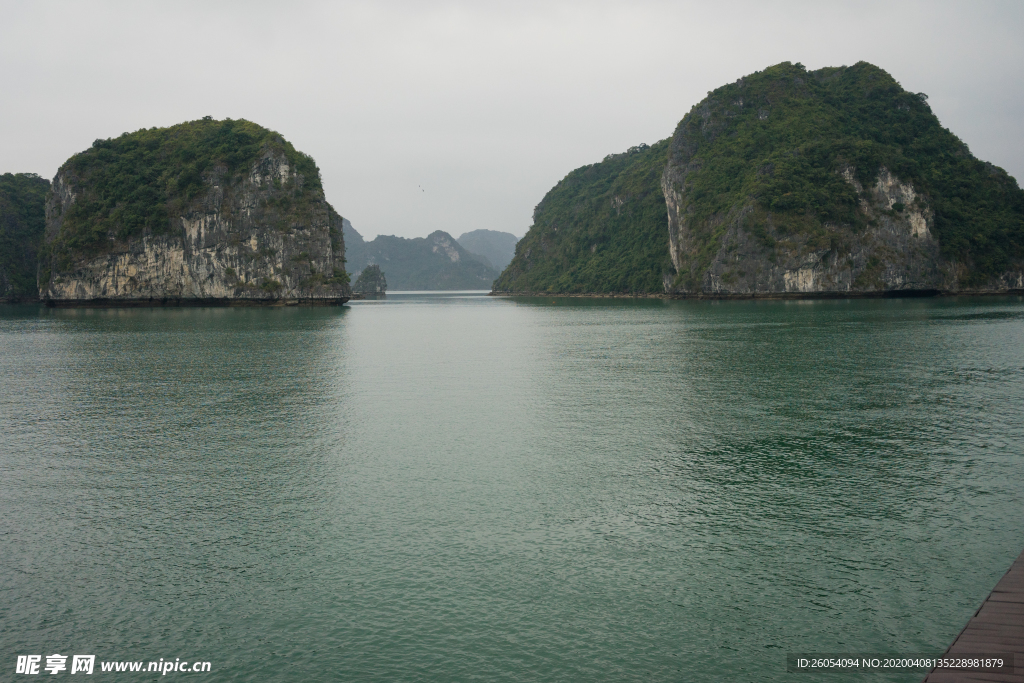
833 182
893 252
237 241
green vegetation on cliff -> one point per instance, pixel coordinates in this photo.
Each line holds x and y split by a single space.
139 182
22 221
602 229
780 138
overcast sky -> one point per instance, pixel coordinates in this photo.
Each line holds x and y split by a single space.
461 115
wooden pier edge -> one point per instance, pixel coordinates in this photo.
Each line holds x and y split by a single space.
997 627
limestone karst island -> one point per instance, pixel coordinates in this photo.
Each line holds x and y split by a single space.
202 212
785 183
788 182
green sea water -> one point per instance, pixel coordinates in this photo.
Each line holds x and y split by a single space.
454 487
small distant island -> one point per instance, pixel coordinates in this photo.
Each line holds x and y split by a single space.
371 281
786 183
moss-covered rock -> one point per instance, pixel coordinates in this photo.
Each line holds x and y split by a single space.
22 221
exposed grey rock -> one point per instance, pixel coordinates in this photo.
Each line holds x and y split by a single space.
895 253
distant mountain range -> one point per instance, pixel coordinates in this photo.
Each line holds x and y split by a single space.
497 247
435 262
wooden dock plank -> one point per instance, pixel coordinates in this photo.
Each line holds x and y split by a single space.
996 628
988 635
1013 598
968 677
1000 608
999 620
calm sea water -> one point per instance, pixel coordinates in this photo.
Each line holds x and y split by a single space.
454 487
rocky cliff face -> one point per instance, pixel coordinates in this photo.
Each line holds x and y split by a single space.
895 251
252 237
786 183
